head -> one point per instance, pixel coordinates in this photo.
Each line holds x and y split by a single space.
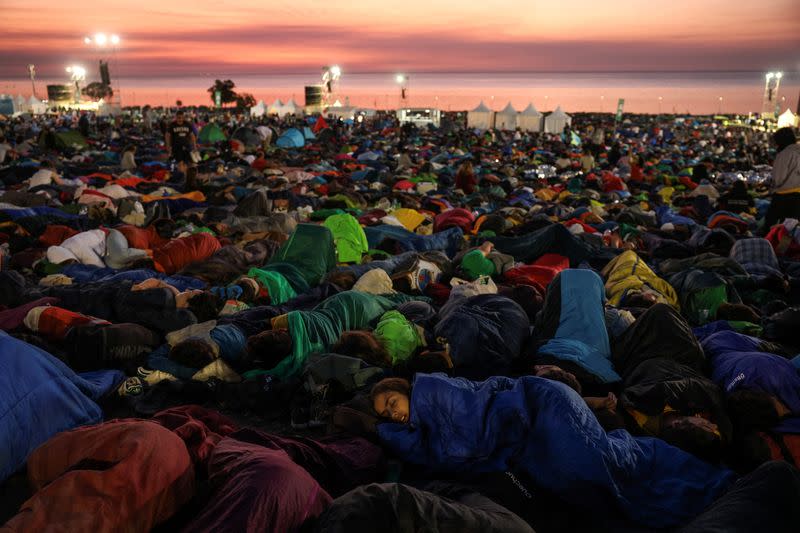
639 299
752 410
342 278
364 345
739 187
268 348
205 306
695 435
180 117
555 373
390 399
194 353
784 138
165 227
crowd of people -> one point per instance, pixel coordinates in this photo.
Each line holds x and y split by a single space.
217 323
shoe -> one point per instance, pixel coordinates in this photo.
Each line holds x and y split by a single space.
130 387
300 417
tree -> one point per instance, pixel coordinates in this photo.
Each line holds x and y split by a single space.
97 90
226 88
245 101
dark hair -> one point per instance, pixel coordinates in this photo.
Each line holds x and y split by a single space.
194 353
558 374
268 348
390 385
693 439
637 299
180 113
364 345
342 278
784 138
205 306
164 227
752 410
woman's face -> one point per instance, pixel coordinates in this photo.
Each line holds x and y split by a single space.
392 405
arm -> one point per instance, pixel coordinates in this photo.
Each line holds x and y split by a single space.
168 141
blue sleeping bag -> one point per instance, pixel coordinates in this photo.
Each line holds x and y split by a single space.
485 334
90 273
545 429
738 363
581 337
41 397
448 240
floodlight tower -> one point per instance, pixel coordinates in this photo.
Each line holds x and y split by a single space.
772 83
330 80
402 81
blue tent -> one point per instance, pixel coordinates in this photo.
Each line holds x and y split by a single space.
308 134
292 138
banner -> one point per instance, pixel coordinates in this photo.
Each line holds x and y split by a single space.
620 105
218 98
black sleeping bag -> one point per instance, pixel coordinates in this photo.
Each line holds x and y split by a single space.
660 332
396 508
657 383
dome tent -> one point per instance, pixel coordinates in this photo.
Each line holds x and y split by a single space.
210 134
247 136
506 119
292 138
258 110
530 119
556 121
480 118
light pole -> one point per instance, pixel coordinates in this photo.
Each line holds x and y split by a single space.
772 85
32 72
101 41
660 99
77 75
602 103
719 110
402 81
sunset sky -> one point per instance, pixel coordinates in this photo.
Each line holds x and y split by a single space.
201 37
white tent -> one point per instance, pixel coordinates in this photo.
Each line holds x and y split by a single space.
275 108
556 121
291 108
337 103
481 118
259 109
21 104
342 112
506 119
37 106
530 119
787 119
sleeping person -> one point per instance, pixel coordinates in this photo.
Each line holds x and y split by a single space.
546 430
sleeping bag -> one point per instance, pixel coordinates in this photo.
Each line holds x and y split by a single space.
546 430
484 334
123 475
178 253
574 320
41 397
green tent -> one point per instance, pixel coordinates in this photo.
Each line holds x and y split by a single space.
69 139
210 134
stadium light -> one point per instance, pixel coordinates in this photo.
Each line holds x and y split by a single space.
778 75
770 75
336 71
115 39
100 39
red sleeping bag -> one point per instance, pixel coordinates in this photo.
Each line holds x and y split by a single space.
124 475
178 253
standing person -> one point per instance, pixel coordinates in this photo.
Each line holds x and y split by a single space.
128 158
181 141
785 188
147 120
